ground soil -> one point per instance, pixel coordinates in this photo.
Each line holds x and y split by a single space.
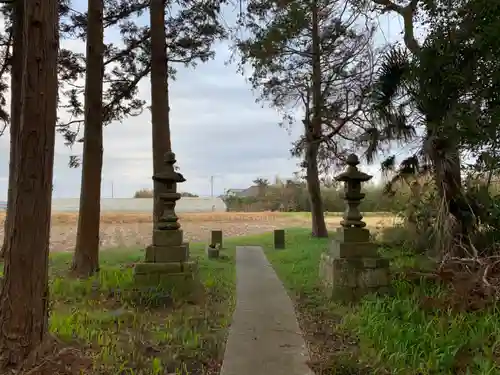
121 229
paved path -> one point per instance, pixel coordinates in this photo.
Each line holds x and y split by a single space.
264 338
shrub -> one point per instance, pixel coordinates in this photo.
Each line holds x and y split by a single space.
144 193
148 193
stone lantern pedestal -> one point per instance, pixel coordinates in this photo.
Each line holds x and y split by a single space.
352 267
167 263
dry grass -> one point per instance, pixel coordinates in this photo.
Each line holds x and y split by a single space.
125 229
71 218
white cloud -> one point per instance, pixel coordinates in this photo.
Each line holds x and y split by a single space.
217 130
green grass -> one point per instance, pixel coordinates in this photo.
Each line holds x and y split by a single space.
153 335
394 334
307 215
399 333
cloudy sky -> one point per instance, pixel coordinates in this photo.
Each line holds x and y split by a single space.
217 130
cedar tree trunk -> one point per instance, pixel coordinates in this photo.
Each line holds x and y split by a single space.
159 98
24 296
15 114
313 134
86 256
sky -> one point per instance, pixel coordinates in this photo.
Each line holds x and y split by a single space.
217 130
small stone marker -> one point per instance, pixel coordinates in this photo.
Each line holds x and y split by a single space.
212 251
216 237
279 238
353 267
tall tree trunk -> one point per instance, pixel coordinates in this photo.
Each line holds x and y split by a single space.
159 97
15 115
314 132
314 190
24 295
445 156
86 256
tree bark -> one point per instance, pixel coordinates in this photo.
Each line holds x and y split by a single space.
15 115
86 256
24 295
313 134
159 98
314 190
445 157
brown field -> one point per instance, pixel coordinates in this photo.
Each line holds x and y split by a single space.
134 229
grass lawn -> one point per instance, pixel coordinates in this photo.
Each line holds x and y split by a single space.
154 335
397 334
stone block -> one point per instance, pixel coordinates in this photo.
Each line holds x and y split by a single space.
279 238
348 279
176 281
167 254
216 237
373 278
147 280
349 235
158 268
179 279
212 253
375 263
150 254
340 249
167 237
186 244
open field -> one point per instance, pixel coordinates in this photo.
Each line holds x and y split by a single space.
122 229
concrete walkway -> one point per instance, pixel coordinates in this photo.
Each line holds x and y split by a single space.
264 338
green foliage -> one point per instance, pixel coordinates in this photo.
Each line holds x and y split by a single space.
312 61
441 97
423 229
443 92
292 196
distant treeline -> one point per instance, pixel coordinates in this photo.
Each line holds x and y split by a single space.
148 193
293 197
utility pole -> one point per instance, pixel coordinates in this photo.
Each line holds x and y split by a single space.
212 186
112 189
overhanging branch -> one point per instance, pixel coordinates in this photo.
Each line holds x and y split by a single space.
406 12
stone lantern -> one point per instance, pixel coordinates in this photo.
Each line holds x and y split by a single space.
167 262
352 267
352 179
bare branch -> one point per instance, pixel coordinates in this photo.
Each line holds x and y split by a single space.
407 12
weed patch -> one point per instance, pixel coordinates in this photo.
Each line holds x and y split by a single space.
399 333
333 349
396 334
121 330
